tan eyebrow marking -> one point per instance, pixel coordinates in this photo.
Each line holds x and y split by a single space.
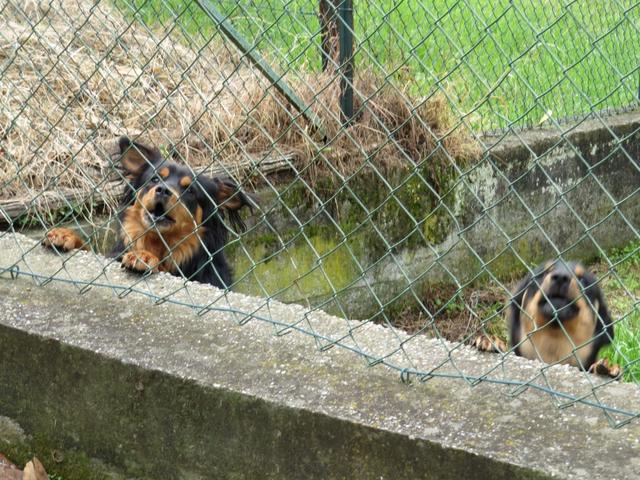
185 182
164 172
579 270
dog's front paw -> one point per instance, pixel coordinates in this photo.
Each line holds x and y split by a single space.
603 367
63 239
140 261
489 343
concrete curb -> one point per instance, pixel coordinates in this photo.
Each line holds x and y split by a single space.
164 393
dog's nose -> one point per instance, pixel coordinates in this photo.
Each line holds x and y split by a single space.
560 278
162 192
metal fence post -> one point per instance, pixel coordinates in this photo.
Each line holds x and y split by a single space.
345 34
261 64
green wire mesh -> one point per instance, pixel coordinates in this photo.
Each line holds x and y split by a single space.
420 215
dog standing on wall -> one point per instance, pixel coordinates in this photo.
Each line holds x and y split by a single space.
558 314
169 220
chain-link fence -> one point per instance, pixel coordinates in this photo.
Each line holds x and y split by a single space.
397 163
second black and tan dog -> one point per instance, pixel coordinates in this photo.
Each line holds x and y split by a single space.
558 314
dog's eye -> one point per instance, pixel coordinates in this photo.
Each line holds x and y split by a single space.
155 179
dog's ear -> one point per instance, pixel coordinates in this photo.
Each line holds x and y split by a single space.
227 196
514 311
593 291
230 197
603 312
136 158
604 318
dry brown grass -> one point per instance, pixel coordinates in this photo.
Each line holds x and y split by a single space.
78 76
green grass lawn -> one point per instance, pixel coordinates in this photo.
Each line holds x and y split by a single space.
623 294
500 62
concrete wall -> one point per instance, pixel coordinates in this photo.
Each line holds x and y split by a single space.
159 392
532 195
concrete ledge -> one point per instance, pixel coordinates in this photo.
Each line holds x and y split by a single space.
163 393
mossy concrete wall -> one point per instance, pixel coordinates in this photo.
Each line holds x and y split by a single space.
373 241
354 246
158 392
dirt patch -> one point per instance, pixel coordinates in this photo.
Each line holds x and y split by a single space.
456 315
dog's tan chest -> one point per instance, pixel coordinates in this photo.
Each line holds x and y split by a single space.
171 248
552 344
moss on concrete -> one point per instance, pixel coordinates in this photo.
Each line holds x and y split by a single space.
309 267
351 227
59 462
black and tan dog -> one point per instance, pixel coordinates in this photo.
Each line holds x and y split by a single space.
558 314
169 220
